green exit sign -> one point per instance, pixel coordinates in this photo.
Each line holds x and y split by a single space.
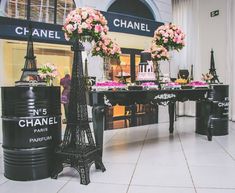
214 13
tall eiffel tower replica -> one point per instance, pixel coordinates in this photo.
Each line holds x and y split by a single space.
212 69
78 149
30 72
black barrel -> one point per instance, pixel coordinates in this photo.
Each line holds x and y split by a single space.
218 109
31 123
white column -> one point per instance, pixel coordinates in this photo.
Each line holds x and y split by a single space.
47 11
16 9
40 12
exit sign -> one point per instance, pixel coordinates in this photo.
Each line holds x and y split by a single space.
214 13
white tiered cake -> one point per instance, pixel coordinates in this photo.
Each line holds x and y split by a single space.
146 69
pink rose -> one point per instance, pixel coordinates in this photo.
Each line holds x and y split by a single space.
80 30
97 18
165 40
66 37
89 20
89 26
84 15
98 28
84 25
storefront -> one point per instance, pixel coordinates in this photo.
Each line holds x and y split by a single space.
50 45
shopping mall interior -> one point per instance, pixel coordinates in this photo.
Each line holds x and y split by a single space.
130 123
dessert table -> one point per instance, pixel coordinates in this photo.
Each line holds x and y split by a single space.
101 100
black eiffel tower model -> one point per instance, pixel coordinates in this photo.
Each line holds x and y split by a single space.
30 72
212 69
78 149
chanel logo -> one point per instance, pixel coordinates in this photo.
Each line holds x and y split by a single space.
221 104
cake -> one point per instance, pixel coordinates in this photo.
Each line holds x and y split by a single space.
146 69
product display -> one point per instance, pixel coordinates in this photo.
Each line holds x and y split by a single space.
31 125
171 85
149 86
181 81
108 85
146 69
198 84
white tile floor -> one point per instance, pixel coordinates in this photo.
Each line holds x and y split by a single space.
147 159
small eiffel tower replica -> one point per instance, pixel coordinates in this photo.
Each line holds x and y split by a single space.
212 69
78 149
30 72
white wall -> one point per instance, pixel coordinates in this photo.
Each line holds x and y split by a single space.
216 33
212 34
209 33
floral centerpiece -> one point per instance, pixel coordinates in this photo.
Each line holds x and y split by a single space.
207 77
198 84
169 36
159 53
105 47
85 24
108 85
48 73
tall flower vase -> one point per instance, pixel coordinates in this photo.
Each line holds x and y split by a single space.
49 82
172 70
106 69
169 63
88 44
157 70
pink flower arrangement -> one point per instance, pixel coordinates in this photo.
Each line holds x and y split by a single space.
110 84
148 84
48 72
198 84
169 36
105 47
85 22
207 77
159 52
173 84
